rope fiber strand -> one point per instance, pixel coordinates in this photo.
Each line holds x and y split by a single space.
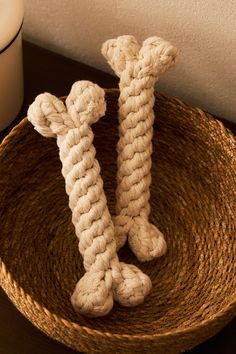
106 278
138 69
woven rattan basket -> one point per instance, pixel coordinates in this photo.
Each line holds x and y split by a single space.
193 199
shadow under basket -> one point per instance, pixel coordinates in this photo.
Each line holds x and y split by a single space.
193 201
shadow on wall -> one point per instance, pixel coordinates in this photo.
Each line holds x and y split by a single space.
205 34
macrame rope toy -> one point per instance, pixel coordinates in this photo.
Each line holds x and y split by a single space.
105 278
138 68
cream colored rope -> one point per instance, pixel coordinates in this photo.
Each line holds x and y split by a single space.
138 68
105 278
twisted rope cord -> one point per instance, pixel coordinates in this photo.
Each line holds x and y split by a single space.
105 278
138 69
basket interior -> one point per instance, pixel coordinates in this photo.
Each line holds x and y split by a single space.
193 203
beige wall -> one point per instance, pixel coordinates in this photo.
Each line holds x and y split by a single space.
203 30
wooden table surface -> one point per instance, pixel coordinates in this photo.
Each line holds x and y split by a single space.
47 71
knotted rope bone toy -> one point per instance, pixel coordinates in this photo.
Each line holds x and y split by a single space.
138 69
105 278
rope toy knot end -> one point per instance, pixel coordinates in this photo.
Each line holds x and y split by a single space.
86 103
162 54
93 296
47 114
146 241
120 50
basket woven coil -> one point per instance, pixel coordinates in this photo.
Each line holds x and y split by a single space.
193 202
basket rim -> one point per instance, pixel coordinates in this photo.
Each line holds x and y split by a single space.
90 331
171 99
4 273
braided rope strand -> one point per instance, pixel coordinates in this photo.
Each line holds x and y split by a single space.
106 278
138 69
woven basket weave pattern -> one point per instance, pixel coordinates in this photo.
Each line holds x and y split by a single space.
193 200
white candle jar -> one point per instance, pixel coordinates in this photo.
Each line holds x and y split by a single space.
11 68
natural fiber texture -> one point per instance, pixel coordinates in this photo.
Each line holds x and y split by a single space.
105 276
193 200
138 68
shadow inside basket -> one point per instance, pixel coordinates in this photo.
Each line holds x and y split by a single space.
192 200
